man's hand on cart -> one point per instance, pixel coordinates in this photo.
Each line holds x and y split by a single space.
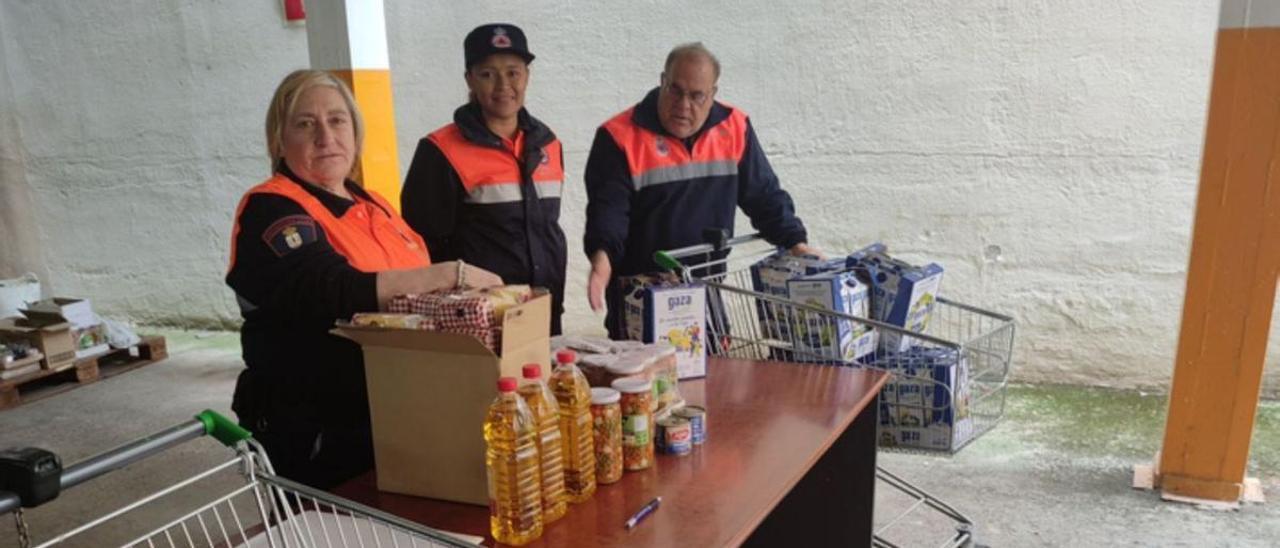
803 248
601 270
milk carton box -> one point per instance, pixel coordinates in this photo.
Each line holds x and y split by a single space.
824 337
662 311
770 276
927 406
902 294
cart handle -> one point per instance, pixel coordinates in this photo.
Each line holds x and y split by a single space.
221 428
666 261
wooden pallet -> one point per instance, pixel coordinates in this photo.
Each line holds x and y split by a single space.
46 383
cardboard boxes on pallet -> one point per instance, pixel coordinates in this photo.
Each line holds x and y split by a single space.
53 340
87 332
428 394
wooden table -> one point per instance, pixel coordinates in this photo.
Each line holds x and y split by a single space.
789 459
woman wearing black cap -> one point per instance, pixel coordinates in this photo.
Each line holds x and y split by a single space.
486 188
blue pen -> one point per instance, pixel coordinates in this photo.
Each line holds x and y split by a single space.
644 512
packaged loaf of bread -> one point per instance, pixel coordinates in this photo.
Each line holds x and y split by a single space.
383 319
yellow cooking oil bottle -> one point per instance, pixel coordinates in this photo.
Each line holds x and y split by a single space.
573 394
546 414
511 459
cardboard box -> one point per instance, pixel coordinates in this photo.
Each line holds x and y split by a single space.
838 339
87 331
901 294
656 311
926 403
54 340
428 395
770 276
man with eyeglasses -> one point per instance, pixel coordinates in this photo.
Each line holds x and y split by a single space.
669 168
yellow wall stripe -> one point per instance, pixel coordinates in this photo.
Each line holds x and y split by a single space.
379 168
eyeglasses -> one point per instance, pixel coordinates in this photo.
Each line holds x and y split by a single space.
698 98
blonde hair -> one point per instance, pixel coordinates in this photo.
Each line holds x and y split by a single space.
285 101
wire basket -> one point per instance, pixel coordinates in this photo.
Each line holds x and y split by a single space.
949 379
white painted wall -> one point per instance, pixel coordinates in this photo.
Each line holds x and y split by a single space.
1046 153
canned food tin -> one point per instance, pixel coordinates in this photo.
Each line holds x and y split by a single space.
675 435
697 417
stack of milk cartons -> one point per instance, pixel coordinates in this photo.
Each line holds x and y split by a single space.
827 338
925 404
902 294
770 276
661 309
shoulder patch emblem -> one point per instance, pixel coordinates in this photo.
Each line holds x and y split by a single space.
290 233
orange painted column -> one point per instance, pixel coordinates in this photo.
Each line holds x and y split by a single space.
1235 259
349 39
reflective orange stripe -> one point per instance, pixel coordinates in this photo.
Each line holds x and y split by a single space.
655 159
492 175
370 239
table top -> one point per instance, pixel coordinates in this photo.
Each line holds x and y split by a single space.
767 424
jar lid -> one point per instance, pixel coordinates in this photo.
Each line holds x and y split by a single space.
604 396
633 385
598 360
627 365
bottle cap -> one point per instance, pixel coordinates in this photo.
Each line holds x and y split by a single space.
566 356
531 371
507 384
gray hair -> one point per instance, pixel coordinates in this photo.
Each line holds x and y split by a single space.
691 49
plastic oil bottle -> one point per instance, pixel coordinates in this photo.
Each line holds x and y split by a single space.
511 459
546 414
573 394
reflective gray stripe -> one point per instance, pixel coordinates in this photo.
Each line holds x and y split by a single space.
670 174
501 193
549 189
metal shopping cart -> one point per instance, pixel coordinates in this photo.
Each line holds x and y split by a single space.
948 384
262 510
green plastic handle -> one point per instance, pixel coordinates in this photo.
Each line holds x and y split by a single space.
222 428
666 261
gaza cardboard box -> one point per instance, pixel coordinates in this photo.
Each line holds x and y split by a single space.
824 336
901 294
926 403
660 311
428 395
770 276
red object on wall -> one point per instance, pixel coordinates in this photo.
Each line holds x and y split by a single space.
294 11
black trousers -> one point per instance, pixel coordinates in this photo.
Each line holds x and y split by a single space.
322 459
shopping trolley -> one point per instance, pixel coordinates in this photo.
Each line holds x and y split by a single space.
963 399
262 510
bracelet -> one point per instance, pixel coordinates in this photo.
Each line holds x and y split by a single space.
462 275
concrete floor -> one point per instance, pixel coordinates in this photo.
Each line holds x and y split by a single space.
1056 472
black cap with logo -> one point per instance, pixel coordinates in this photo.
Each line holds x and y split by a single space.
493 38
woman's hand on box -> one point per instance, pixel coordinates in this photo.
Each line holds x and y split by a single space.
446 275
